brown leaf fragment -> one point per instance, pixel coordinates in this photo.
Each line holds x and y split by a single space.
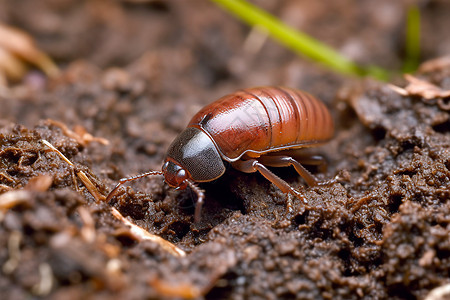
439 293
15 238
88 229
180 290
39 183
79 133
435 65
20 47
13 198
422 88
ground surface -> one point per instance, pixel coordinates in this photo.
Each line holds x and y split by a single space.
134 73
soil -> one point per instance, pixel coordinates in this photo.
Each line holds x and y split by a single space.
134 73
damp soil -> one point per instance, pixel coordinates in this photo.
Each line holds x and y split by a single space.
134 72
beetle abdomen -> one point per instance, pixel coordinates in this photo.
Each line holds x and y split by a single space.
259 120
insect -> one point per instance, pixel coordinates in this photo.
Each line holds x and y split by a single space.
252 129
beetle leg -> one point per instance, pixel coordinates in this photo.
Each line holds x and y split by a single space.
305 157
285 161
200 199
252 165
313 160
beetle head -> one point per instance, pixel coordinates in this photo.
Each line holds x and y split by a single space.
192 156
174 174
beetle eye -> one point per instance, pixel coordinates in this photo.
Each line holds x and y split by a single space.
180 179
181 175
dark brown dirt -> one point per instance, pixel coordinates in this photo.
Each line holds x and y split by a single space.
134 74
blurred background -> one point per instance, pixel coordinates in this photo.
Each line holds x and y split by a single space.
184 45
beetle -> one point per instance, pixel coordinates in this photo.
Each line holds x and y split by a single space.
252 129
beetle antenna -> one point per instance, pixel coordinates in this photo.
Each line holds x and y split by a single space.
127 179
200 197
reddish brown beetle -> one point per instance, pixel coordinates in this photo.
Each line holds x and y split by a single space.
251 129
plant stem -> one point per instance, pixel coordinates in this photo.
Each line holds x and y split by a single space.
412 43
297 41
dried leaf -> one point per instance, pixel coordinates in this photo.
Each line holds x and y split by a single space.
22 45
18 48
422 88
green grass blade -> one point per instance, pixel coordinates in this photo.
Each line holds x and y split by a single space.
412 44
297 41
